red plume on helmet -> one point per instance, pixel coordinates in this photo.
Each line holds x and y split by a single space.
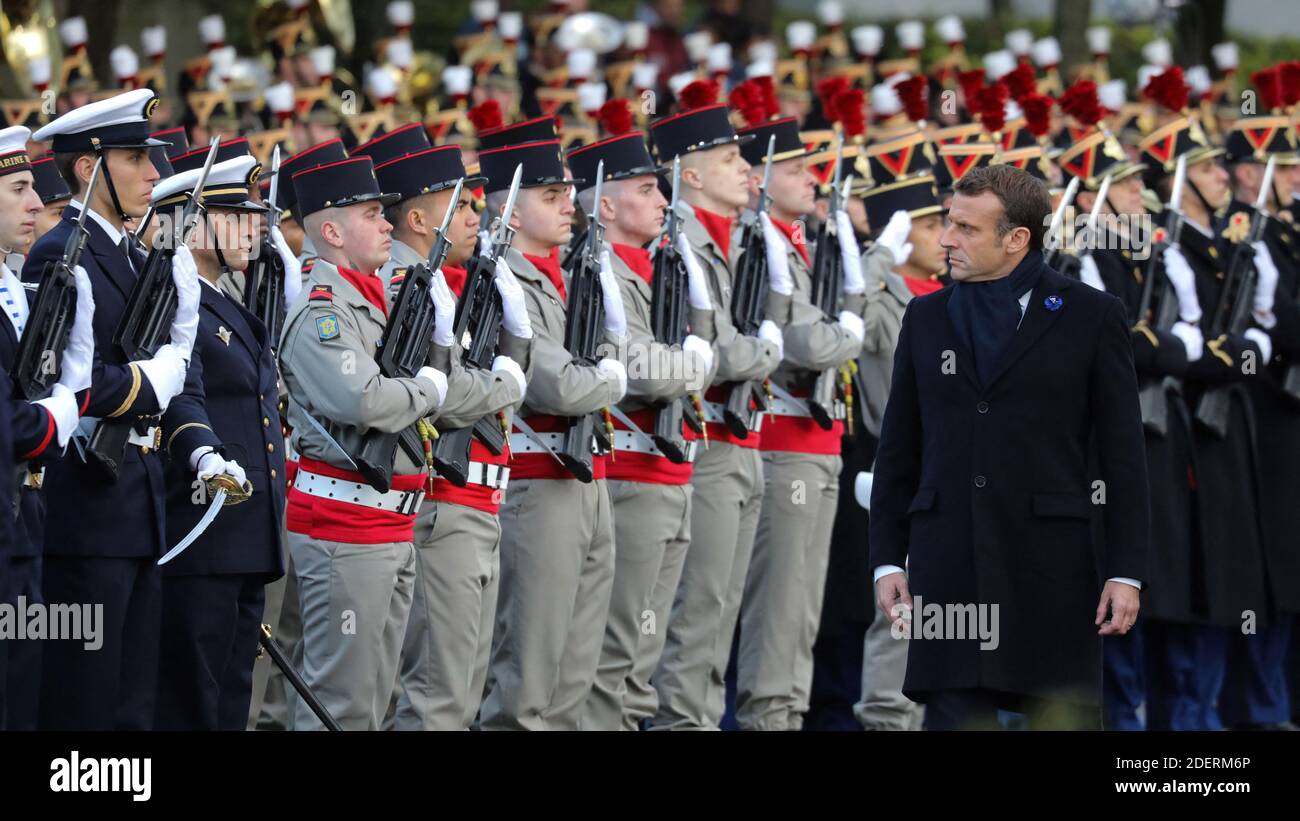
971 82
991 105
1268 82
1169 89
486 115
1038 113
1021 81
827 89
850 113
615 116
1290 74
698 94
1080 102
914 94
768 90
746 99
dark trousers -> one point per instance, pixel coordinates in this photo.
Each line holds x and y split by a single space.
837 676
22 682
978 710
1123 680
111 687
209 643
1255 688
1184 674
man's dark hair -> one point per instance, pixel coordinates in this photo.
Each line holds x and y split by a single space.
1024 198
66 162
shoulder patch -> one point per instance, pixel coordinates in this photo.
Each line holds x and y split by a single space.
327 327
321 292
399 274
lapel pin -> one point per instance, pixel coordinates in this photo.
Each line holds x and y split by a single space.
1053 303
223 333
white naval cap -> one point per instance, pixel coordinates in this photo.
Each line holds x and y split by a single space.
121 121
227 185
13 150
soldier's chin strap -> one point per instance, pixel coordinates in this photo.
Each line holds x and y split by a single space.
112 189
1210 210
216 246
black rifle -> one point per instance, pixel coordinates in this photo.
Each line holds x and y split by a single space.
39 360
264 280
403 350
748 306
1232 313
827 282
669 300
583 329
478 313
1157 308
146 323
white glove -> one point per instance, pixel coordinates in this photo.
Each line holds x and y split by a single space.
444 311
894 237
1265 281
514 313
768 330
853 323
1192 339
614 368
778 262
439 380
165 373
1264 342
1184 281
292 267
208 463
1089 274
484 239
854 282
504 364
697 285
62 405
862 488
694 344
79 356
612 299
186 325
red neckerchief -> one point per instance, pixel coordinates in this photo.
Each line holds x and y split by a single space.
455 278
638 259
370 286
550 267
921 287
800 245
719 229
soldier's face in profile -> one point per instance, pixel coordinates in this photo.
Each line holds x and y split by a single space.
724 175
48 217
19 205
1126 195
133 175
230 230
545 214
366 235
1211 180
464 224
975 250
927 253
793 189
638 207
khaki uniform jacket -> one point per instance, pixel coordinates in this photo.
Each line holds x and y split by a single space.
642 349
471 393
327 358
558 385
739 357
887 298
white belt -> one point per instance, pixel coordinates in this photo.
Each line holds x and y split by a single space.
713 413
144 440
628 441
405 502
492 476
784 407
521 443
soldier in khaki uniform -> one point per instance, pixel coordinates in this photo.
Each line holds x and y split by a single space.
557 545
908 251
781 608
351 544
457 532
727 481
651 493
